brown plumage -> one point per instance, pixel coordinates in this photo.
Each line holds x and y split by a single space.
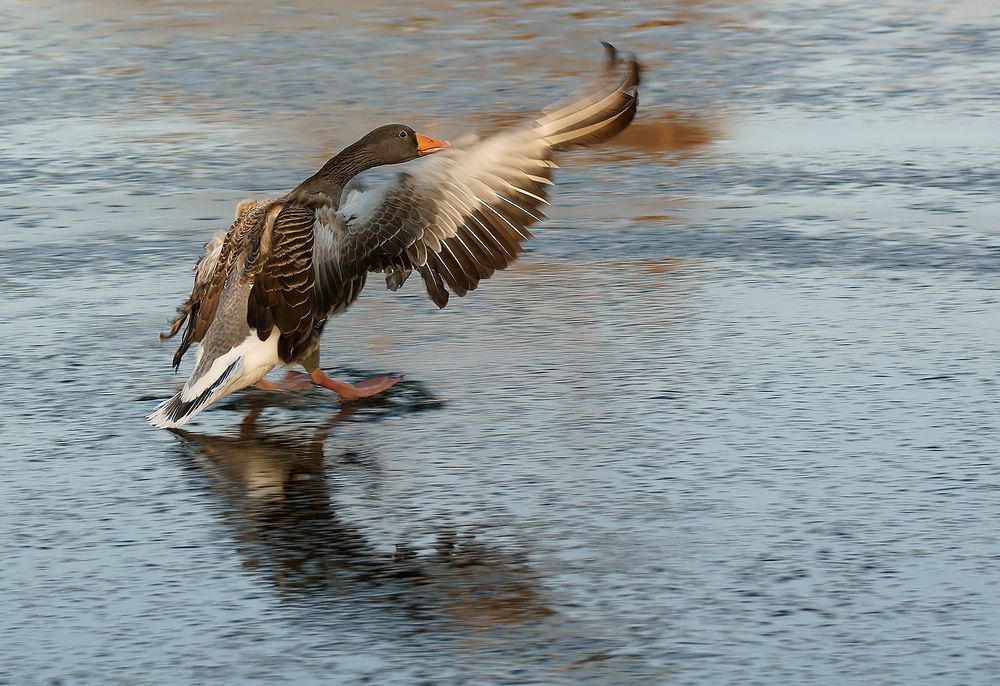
288 264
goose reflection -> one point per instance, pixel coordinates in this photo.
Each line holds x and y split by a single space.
277 496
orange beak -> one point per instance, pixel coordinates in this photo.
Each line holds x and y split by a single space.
427 145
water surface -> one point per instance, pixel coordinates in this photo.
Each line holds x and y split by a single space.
733 418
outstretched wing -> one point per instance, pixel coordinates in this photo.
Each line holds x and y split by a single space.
465 212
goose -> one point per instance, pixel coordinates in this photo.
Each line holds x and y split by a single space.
264 290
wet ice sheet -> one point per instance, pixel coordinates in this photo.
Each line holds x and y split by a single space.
733 417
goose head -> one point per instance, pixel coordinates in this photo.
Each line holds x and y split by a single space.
395 143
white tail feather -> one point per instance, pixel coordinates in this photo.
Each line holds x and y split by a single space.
177 411
212 380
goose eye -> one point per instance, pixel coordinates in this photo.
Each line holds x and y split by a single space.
403 134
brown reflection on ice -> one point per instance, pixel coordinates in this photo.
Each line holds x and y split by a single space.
664 266
653 133
659 23
666 132
585 277
277 496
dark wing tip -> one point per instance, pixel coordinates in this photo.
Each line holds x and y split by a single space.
635 70
603 113
435 286
611 55
614 57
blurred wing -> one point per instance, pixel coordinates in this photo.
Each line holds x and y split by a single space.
465 212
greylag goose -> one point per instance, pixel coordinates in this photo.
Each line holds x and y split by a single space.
264 290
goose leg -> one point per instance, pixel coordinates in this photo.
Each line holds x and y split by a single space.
348 392
292 381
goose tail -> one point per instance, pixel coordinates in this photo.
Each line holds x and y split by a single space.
200 391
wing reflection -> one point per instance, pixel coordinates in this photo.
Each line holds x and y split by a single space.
277 497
